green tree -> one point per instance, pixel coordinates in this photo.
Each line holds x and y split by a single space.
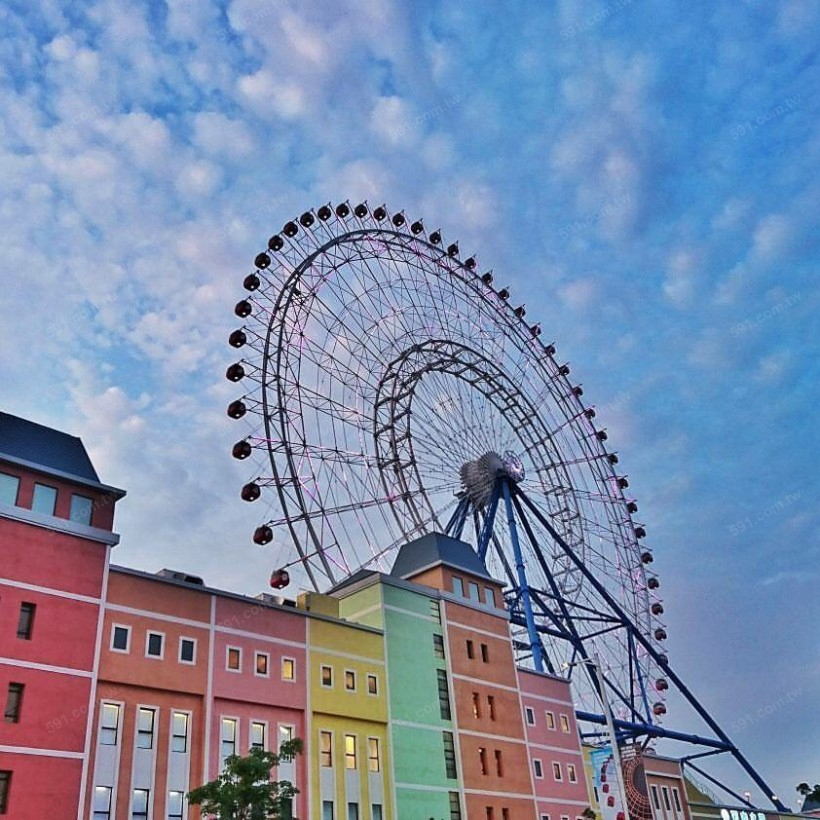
811 793
244 790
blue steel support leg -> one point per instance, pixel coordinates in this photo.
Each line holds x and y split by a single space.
535 640
644 641
489 520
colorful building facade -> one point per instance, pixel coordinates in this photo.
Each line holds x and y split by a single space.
124 690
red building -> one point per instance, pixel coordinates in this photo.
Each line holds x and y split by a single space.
55 534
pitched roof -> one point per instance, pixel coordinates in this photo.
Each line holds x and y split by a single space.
40 447
437 548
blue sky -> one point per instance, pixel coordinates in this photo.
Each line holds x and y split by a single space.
643 177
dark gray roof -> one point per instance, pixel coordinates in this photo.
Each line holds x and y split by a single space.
437 548
43 448
810 804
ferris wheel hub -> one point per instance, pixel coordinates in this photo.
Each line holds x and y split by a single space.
479 476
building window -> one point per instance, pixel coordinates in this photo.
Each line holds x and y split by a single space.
485 653
101 805
120 638
476 706
139 804
109 723
530 715
482 759
176 805
350 680
25 623
556 771
571 776
233 659
499 763
655 799
665 793
154 644
9 488
145 728
564 817
179 731
458 586
474 594
14 700
676 797
443 695
505 814
228 739
490 813
372 685
435 611
564 724
491 706
376 812
327 675
352 811
550 720
285 733
489 596
261 662
5 786
327 810
350 752
538 768
449 755
438 645
258 735
288 669
455 806
373 756
81 509
470 650
326 749
545 817
187 650
44 499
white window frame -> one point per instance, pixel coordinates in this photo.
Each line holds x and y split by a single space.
148 708
557 773
179 655
529 715
572 775
237 737
566 727
256 655
148 634
120 711
292 661
347 755
265 733
369 677
322 683
291 731
228 650
188 715
322 734
378 754
352 673
127 629
550 719
538 768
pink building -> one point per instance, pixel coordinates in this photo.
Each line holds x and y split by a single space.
55 535
553 746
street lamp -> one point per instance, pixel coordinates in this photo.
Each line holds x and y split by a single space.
594 663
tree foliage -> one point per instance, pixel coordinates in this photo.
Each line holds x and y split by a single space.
244 790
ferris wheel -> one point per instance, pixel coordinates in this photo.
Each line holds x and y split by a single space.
393 389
